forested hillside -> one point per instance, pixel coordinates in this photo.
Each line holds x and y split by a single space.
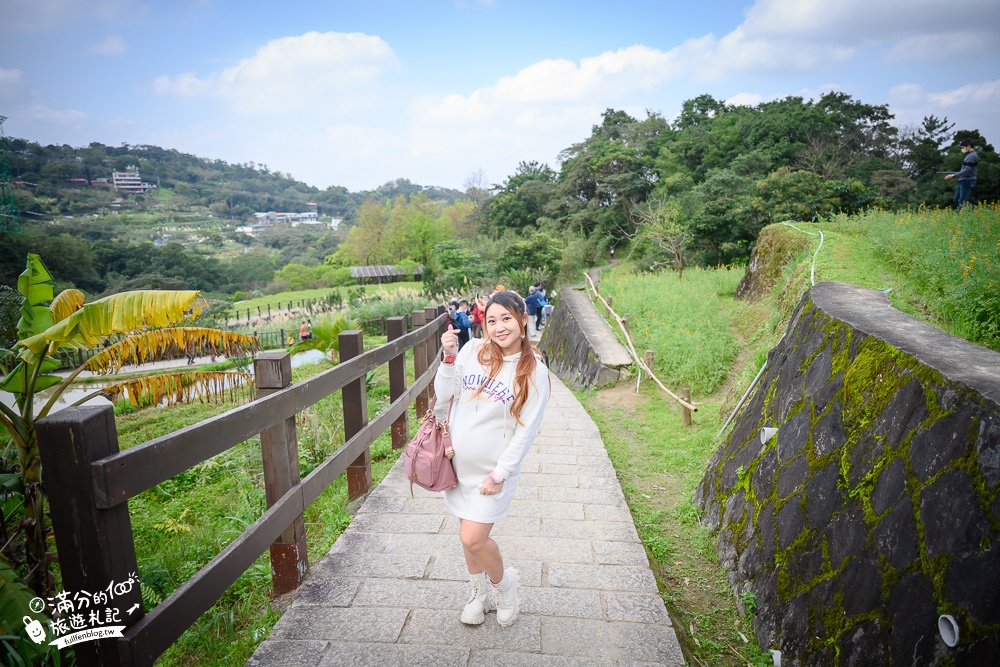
61 180
695 190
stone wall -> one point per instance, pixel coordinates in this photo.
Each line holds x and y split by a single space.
875 507
580 346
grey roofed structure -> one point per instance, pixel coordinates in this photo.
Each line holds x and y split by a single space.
384 273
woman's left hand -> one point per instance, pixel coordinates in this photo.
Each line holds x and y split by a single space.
488 488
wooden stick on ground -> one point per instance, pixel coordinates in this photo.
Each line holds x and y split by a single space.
635 355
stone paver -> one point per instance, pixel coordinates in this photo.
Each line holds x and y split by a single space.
391 589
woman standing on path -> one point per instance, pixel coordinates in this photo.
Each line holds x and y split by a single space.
500 387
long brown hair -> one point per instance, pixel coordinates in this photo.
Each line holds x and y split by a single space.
491 356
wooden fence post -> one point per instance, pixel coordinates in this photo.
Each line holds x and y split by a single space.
419 362
359 473
649 358
626 323
431 348
397 381
279 447
685 393
96 547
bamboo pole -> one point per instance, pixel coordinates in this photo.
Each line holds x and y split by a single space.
635 355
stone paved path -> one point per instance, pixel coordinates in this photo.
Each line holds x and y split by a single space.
391 589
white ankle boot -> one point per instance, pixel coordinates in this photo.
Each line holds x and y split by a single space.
480 599
506 593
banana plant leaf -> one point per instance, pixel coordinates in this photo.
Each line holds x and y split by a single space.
158 343
179 387
116 314
66 303
16 382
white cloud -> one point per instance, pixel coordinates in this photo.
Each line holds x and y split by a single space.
311 72
67 118
553 84
812 35
745 100
972 106
907 94
973 93
112 45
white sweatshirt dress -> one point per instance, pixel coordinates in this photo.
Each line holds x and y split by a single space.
484 433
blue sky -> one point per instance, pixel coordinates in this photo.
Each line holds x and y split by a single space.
440 92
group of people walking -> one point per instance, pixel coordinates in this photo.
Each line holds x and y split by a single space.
468 317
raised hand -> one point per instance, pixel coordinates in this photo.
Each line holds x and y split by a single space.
449 341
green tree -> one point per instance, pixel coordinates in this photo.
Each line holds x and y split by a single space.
539 251
522 198
413 229
365 242
611 172
453 268
663 235
725 222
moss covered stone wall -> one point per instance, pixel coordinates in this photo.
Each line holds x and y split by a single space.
875 507
579 344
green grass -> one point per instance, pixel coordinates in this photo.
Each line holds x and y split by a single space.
941 266
386 289
679 320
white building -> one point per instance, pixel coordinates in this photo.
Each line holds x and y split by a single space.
251 230
130 181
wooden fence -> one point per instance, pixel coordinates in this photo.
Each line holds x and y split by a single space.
89 481
264 311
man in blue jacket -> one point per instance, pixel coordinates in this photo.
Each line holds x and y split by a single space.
531 303
462 322
966 175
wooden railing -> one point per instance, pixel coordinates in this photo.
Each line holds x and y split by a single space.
89 481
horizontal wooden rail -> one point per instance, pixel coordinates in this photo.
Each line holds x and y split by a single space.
94 480
125 475
158 629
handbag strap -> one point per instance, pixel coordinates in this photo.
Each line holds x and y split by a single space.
430 408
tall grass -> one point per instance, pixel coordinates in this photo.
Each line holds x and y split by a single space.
680 320
950 259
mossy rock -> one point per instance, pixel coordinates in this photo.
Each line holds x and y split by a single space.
776 247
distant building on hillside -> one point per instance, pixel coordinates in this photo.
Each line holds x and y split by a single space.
130 181
272 217
253 230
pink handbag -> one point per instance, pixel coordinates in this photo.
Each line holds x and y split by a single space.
424 459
